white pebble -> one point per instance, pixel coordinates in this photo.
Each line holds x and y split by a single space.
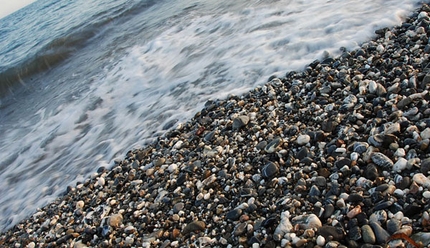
354 156
320 240
425 134
400 152
303 139
426 194
172 168
399 192
80 204
207 196
400 164
101 181
421 179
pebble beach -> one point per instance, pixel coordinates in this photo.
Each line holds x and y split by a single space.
336 155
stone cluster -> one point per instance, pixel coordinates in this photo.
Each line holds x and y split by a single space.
336 155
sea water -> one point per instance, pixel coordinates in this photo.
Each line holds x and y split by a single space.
84 81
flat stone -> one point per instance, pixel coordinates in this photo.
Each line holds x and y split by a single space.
115 220
400 164
193 227
382 160
178 207
303 139
240 122
368 234
275 143
425 134
270 170
331 232
234 214
425 166
380 233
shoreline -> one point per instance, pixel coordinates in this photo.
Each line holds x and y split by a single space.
336 154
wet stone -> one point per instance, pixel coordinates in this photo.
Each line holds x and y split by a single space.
331 232
355 198
371 172
270 170
194 227
360 147
240 229
271 147
381 234
368 234
382 160
234 214
240 122
178 207
425 166
321 181
302 153
303 139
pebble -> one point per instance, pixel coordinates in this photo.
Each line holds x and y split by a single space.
400 164
381 234
303 139
240 122
382 160
270 170
368 234
194 227
115 220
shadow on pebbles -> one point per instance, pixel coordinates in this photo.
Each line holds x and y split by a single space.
333 156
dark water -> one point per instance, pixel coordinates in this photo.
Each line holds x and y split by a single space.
83 81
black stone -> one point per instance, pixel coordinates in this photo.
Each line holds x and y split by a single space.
234 214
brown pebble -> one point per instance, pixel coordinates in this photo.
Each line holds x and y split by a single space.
194 226
175 233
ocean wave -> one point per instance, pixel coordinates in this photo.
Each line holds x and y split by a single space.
65 45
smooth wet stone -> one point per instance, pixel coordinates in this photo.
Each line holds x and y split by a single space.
307 221
404 102
234 214
354 233
178 207
355 198
328 210
240 122
275 143
425 166
303 139
400 164
240 229
380 233
382 160
321 181
360 147
194 226
285 225
302 153
371 172
320 241
393 225
331 232
368 234
270 170
425 134
421 179
115 220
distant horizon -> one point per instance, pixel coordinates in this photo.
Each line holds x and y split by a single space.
9 7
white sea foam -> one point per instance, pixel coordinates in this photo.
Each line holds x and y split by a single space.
200 55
